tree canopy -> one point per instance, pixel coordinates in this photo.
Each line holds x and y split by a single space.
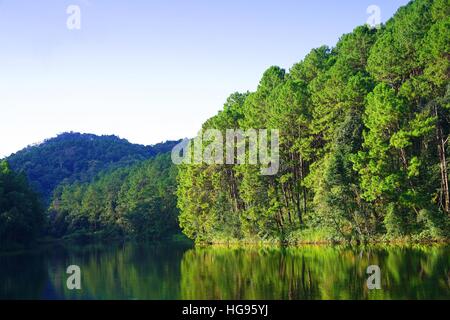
21 213
364 142
133 202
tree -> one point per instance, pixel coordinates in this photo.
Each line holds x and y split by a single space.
21 214
363 146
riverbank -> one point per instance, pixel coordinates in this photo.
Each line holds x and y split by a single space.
90 239
312 237
250 243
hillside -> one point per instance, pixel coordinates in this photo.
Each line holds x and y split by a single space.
71 157
137 201
364 130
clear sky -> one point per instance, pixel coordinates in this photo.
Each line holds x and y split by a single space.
149 70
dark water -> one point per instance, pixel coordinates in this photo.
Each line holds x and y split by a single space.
175 271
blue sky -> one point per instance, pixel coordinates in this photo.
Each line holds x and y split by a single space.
149 70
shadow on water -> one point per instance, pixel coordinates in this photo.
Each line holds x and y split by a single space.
179 271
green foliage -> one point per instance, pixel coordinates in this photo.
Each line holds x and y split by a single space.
363 154
137 201
363 146
79 157
21 213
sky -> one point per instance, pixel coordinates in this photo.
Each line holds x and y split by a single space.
147 70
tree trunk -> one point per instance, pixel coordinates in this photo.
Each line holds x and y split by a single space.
444 196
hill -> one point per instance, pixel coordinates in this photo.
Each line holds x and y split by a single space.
71 157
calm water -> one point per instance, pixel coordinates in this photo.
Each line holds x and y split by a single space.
175 271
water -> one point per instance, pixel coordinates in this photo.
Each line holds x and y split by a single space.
179 271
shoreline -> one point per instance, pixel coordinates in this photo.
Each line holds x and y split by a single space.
322 243
43 242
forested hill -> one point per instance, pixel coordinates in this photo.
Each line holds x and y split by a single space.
364 131
364 153
138 201
79 157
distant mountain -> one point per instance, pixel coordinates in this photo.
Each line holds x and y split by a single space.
80 157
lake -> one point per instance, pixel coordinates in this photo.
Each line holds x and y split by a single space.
180 271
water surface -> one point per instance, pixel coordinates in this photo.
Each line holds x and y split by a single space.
180 271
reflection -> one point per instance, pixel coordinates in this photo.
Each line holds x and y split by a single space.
130 271
315 272
179 271
22 276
